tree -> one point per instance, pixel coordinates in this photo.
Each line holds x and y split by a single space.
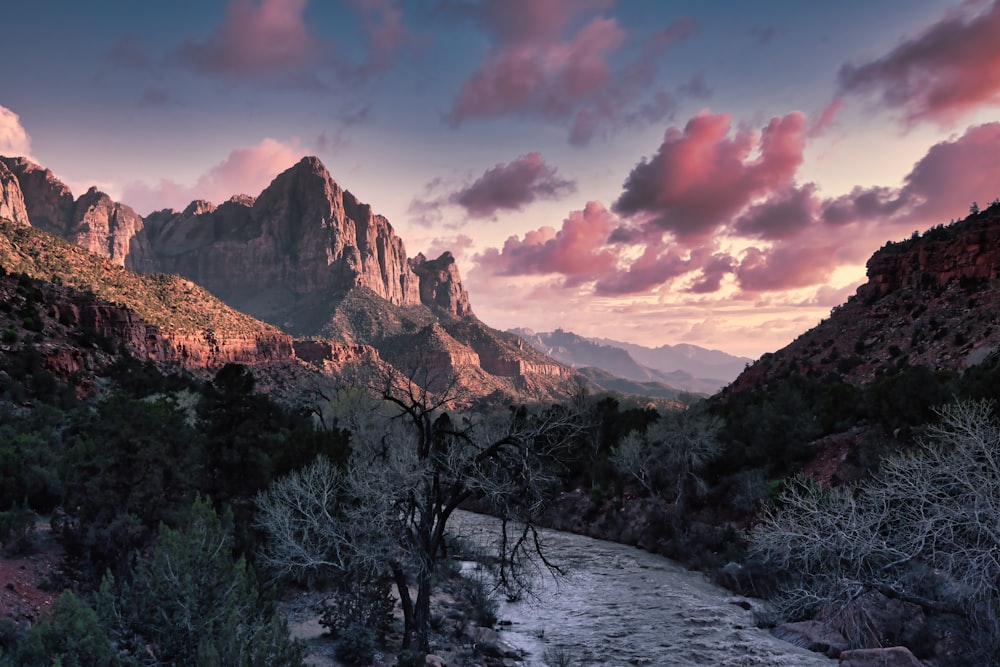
669 455
70 636
192 603
924 529
411 465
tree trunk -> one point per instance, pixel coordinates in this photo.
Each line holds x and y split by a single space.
422 612
406 602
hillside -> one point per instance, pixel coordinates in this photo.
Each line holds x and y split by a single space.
932 300
163 318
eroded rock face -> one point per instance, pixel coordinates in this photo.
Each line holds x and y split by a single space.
969 250
48 202
303 234
111 230
94 221
441 285
145 341
11 200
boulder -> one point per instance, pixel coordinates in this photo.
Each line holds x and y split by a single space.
897 656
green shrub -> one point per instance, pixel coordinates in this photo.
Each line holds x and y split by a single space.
70 636
17 530
356 645
10 335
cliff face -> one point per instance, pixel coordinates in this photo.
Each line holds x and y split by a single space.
441 285
932 300
11 200
93 221
303 234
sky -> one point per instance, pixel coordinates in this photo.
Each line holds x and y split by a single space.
653 171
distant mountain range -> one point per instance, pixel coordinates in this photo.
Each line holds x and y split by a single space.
663 371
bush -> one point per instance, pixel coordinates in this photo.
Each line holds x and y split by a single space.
923 528
356 645
17 530
357 601
71 636
192 603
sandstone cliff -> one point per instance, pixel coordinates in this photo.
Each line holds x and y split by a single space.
94 221
303 234
441 285
11 200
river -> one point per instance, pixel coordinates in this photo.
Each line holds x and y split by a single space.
620 606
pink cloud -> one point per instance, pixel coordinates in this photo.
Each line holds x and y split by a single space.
512 186
785 267
14 139
701 177
577 251
948 70
270 40
656 265
783 214
826 117
533 69
246 170
264 37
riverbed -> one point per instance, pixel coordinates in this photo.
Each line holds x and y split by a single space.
620 606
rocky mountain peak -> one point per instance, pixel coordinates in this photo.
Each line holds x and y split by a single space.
11 200
441 285
48 202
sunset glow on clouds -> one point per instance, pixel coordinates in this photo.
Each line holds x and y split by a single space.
709 173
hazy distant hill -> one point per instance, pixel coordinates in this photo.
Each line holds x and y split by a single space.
679 368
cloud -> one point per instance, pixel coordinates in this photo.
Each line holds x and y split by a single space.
578 251
246 170
512 186
951 68
264 38
826 117
14 140
700 177
785 267
785 213
532 68
270 41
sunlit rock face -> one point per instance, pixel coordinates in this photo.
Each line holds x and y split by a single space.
93 221
11 200
302 234
441 285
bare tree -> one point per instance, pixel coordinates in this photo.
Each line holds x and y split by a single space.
411 466
924 529
670 454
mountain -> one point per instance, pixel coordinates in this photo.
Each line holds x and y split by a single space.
307 257
932 300
166 319
681 368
